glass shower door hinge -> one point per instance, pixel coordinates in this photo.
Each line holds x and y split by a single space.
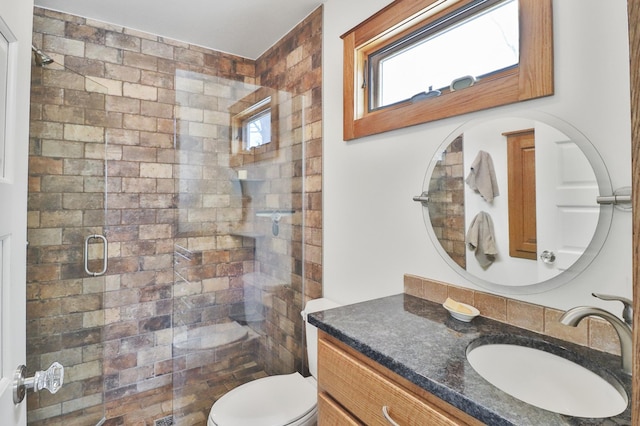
51 379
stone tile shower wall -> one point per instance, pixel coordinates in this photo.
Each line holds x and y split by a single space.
116 332
446 202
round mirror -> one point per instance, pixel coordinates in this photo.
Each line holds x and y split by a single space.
512 202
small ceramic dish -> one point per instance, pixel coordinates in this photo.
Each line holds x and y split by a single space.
461 316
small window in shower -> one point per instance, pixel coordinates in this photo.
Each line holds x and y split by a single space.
256 129
253 126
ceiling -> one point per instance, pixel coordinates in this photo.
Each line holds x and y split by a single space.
245 28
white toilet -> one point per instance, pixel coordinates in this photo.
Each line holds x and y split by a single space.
283 400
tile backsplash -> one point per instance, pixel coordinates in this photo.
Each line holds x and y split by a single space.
592 332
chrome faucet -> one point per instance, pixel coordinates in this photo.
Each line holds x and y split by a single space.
574 315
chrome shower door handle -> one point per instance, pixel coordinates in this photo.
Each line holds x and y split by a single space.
104 254
51 379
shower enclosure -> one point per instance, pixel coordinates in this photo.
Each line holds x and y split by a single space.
187 189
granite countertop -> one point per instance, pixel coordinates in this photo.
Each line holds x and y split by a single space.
418 340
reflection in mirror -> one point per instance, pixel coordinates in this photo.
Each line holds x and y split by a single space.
512 203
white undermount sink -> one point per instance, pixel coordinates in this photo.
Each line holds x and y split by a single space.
547 381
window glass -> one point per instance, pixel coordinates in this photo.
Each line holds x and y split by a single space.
482 39
257 129
251 126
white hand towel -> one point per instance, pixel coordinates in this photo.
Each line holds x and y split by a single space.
482 177
480 237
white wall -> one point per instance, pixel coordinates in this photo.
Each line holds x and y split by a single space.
373 231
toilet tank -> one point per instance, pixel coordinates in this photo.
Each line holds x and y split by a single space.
314 305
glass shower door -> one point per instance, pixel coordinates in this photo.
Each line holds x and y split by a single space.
238 239
66 220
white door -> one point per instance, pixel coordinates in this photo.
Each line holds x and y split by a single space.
568 213
15 49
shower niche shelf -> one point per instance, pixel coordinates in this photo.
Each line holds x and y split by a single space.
247 185
263 281
249 180
247 234
246 316
253 311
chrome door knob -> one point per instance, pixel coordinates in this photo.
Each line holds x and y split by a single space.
548 257
51 379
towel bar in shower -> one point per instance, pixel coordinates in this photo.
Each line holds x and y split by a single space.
275 216
104 254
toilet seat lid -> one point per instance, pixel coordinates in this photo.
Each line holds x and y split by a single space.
270 401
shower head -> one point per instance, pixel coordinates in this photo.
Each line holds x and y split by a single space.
40 57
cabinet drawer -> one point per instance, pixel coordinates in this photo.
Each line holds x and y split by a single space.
364 392
330 413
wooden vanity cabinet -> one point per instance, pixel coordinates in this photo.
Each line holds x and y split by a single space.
354 390
332 413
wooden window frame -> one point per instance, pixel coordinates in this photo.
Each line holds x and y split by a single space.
532 78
